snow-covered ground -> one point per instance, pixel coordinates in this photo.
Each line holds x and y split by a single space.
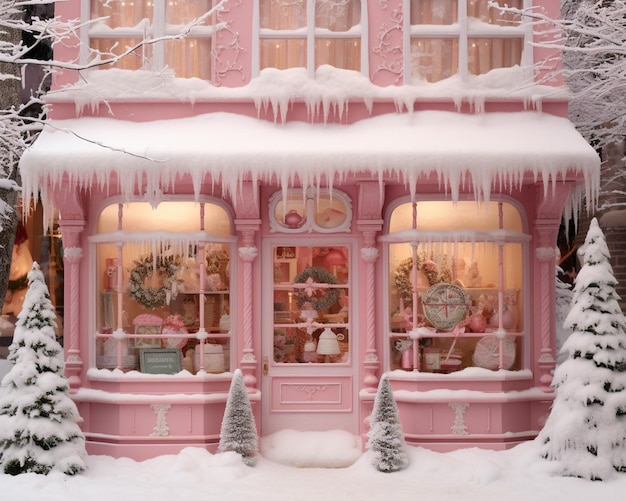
468 475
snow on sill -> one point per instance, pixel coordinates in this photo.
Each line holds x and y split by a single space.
331 89
447 396
117 375
468 374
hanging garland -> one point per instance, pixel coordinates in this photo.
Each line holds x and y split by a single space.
311 276
19 283
402 275
157 295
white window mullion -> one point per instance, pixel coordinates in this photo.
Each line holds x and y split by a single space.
406 32
365 62
158 30
310 38
463 44
256 39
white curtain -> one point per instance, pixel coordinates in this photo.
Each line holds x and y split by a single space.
433 59
288 50
190 57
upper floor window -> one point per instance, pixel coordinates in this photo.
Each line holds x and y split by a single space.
310 33
449 37
125 23
163 281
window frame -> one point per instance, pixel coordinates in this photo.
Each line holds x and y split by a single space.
130 237
310 37
523 239
157 28
461 31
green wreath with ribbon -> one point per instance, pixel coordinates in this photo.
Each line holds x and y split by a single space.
316 275
157 295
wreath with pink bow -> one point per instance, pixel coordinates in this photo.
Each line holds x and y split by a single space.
312 277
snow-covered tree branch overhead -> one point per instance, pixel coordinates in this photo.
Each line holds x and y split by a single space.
28 33
592 40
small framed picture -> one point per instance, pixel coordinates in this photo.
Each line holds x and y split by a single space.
160 361
150 326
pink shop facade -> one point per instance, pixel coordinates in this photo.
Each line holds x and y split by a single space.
317 193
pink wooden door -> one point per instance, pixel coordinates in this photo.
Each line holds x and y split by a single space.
308 379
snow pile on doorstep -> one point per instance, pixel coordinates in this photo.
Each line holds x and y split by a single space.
312 449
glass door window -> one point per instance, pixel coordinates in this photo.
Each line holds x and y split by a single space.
311 321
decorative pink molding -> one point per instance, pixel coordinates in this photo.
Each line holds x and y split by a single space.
227 49
387 60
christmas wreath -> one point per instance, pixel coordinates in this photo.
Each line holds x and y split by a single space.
311 276
152 296
402 275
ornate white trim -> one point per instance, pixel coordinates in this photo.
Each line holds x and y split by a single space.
161 428
459 427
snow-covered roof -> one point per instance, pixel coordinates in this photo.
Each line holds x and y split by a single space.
477 151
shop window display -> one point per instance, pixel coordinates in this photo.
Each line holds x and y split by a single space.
164 283
456 277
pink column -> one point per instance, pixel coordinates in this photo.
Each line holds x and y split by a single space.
546 228
371 363
72 222
247 222
72 256
249 363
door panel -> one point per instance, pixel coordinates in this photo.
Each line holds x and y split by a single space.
308 376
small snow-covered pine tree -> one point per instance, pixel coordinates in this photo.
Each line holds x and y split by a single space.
385 439
586 430
238 432
38 419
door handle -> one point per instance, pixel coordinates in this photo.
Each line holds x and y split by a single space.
265 365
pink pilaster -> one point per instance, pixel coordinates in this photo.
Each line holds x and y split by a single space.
386 35
247 222
369 223
549 210
72 223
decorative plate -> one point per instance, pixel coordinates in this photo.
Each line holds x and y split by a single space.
487 353
445 305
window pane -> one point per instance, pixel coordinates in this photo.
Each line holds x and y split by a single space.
283 14
433 11
341 53
337 15
480 9
441 215
433 59
185 11
486 54
311 304
189 57
283 54
122 13
112 46
168 216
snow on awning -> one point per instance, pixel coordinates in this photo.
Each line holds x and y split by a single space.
478 151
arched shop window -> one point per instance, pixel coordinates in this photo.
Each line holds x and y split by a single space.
456 280
163 278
